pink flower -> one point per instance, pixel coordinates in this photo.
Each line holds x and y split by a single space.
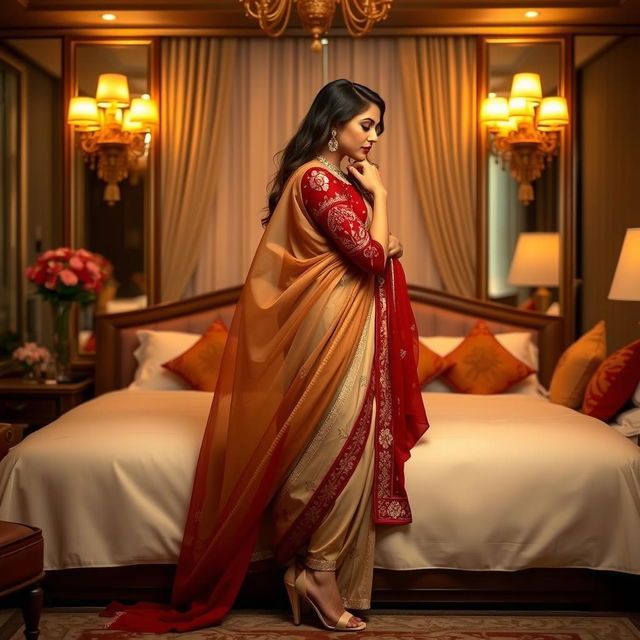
93 268
50 282
76 263
68 277
54 267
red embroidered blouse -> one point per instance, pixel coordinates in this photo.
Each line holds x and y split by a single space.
340 211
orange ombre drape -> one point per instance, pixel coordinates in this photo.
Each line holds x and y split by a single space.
281 367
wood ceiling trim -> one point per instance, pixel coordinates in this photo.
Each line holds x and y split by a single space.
218 5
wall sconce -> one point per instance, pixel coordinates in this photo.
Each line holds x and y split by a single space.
536 263
317 15
524 129
114 131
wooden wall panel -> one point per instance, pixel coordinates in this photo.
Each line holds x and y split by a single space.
609 184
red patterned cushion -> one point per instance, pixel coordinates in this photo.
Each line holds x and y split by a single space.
613 382
480 364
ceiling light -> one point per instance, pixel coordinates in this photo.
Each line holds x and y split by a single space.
108 16
531 14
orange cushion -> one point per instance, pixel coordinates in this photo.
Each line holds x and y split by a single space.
613 383
430 364
199 365
480 364
576 366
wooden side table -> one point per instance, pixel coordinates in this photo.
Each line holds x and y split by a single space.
38 404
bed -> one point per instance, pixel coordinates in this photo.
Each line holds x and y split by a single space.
514 499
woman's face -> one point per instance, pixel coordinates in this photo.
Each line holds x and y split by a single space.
358 135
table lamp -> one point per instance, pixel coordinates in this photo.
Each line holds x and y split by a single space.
626 280
536 263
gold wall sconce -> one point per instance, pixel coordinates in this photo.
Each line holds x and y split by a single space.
524 129
114 131
317 15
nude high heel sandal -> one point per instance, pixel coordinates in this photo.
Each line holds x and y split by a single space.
296 586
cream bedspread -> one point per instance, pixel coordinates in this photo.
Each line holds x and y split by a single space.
497 483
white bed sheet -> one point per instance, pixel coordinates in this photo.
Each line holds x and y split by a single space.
497 483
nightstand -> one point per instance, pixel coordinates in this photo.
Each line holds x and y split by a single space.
38 404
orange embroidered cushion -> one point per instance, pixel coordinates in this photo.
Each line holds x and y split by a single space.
576 366
430 364
199 365
613 382
480 364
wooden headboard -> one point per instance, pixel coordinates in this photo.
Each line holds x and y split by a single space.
436 312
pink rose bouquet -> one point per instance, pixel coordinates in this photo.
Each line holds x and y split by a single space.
70 275
30 354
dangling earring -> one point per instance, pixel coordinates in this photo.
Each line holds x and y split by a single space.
333 142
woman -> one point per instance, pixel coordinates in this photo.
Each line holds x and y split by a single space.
317 403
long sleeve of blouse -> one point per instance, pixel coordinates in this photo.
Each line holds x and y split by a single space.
339 210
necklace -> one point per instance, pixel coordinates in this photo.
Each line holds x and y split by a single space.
337 171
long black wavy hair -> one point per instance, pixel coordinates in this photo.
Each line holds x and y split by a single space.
336 103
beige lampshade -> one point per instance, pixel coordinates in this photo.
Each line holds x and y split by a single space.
553 113
536 260
130 125
520 107
526 85
626 280
112 87
494 111
83 112
143 110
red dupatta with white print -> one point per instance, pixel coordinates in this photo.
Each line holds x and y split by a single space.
276 380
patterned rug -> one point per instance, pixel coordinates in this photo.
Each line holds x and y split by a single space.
249 625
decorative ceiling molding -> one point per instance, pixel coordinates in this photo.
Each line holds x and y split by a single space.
226 17
216 5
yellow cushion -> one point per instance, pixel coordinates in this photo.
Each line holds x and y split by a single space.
199 365
576 366
430 364
480 364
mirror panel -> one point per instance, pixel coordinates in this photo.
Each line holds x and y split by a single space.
31 150
117 230
506 215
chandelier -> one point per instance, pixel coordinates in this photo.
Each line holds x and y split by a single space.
317 15
524 130
114 132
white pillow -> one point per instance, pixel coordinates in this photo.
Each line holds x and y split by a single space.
518 343
155 348
554 309
630 420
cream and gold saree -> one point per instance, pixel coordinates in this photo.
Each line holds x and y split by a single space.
316 408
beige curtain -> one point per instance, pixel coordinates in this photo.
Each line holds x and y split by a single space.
439 87
196 81
278 80
374 63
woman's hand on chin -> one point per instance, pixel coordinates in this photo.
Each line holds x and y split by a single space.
367 175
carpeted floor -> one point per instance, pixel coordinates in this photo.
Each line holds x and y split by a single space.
255 625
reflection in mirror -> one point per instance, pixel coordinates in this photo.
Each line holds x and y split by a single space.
522 221
608 137
30 180
108 214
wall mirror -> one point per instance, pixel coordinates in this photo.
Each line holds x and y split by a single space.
30 180
521 219
107 215
607 134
